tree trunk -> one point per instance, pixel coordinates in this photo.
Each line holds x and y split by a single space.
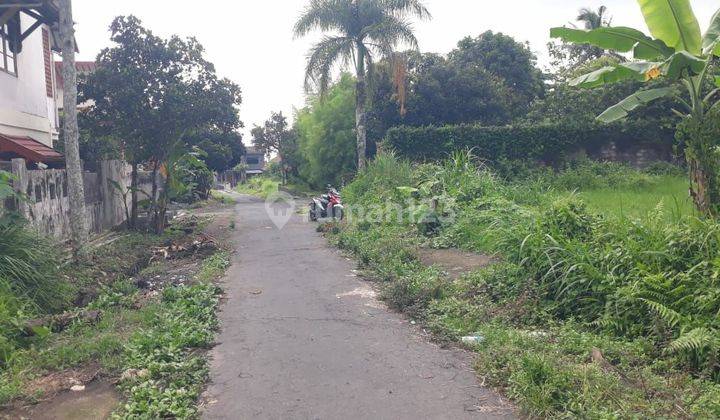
703 187
161 207
154 197
699 135
78 220
360 114
134 183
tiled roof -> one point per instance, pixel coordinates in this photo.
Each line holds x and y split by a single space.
28 148
83 67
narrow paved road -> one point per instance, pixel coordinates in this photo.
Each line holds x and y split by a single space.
303 338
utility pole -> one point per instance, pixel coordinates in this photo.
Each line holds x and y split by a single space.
76 191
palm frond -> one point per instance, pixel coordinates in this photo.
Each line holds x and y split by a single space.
402 8
324 15
323 56
668 315
391 31
693 341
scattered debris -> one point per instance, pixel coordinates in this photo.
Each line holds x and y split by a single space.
473 339
454 262
184 249
49 386
60 322
134 374
256 292
77 388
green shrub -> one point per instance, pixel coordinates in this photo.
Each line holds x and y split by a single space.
551 143
190 178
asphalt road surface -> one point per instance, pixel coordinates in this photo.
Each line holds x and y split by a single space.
304 338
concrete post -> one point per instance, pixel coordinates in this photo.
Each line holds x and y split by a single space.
20 185
106 194
113 211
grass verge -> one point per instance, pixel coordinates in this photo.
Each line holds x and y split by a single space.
152 337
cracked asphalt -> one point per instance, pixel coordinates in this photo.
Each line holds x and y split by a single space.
304 338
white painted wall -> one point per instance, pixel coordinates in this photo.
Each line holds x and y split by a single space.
25 108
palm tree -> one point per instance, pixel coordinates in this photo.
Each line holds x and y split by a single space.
361 29
593 19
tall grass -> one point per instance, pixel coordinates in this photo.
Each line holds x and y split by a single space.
260 186
29 281
669 192
610 255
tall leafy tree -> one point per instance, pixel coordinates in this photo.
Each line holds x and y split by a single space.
222 150
680 55
362 30
504 58
276 136
153 94
326 137
490 79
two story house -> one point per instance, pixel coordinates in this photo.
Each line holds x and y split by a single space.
28 108
255 161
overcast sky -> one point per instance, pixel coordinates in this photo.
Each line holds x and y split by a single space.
251 41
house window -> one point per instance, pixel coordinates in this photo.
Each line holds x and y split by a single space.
253 161
8 62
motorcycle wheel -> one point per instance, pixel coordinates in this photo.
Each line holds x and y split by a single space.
338 213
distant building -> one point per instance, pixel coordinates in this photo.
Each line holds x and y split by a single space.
255 161
28 109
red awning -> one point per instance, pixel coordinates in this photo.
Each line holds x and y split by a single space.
29 149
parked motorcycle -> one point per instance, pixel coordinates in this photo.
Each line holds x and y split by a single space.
327 205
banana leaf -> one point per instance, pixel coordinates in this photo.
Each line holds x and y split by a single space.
618 38
673 22
624 107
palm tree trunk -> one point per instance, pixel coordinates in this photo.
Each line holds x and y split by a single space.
76 192
360 113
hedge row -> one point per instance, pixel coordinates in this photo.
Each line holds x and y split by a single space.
549 143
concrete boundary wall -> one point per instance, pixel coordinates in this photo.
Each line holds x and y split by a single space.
45 196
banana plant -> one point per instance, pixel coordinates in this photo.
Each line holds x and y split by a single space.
678 53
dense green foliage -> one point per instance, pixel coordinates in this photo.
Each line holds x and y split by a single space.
490 80
222 150
567 280
326 135
548 142
190 179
